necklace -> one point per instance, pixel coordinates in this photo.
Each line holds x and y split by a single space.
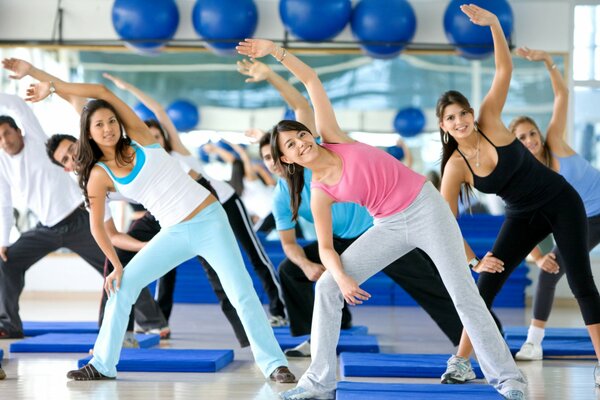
476 152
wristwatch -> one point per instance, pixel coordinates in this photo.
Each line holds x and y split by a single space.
473 262
52 88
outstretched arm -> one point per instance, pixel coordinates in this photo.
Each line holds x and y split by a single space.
134 126
408 158
21 68
555 136
325 121
258 71
493 103
157 109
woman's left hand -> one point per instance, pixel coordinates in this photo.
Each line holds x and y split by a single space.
478 15
352 293
112 282
490 264
256 48
37 92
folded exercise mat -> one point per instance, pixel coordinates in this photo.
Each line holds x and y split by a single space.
36 328
397 365
409 391
170 360
69 343
560 348
356 343
520 332
355 330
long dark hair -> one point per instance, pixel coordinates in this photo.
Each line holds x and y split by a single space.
293 173
88 152
546 153
446 99
152 123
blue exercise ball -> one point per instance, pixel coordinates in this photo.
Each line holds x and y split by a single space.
289 114
232 20
474 41
184 115
383 21
397 152
143 112
203 155
409 121
144 20
315 20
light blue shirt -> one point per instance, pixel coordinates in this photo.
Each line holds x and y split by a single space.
349 220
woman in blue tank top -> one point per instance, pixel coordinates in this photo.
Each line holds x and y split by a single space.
555 153
481 152
192 221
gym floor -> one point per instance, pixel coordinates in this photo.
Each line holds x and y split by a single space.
409 330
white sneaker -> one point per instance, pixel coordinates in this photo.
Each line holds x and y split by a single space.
299 393
302 350
459 370
597 375
514 394
530 352
130 342
277 321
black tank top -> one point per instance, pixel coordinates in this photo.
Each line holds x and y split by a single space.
137 207
519 178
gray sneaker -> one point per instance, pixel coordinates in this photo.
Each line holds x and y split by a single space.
2 374
514 395
302 350
130 342
459 370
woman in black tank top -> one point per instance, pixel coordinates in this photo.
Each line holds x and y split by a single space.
482 153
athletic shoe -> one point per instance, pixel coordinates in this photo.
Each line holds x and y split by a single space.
164 332
277 321
302 350
299 393
282 374
130 342
529 352
459 370
2 374
87 373
514 394
597 375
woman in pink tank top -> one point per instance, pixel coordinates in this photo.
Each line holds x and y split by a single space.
408 214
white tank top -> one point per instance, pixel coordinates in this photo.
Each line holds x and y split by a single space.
159 184
224 190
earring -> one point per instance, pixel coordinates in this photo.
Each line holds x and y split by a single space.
291 171
445 138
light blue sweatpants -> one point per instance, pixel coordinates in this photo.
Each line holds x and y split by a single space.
428 224
209 235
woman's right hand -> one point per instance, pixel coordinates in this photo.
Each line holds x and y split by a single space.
478 15
18 67
256 70
352 293
548 263
256 48
38 92
121 84
490 264
112 282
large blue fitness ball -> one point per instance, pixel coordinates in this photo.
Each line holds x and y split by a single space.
145 20
386 21
230 21
315 20
409 121
184 115
396 151
474 41
143 112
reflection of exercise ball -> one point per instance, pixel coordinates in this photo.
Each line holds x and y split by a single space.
409 121
315 20
145 19
396 151
474 41
184 115
289 114
143 112
225 19
383 21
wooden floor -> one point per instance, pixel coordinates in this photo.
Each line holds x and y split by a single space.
42 376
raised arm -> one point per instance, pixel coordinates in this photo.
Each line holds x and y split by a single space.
134 126
408 158
158 110
326 124
27 120
21 68
6 215
258 71
555 135
493 103
249 171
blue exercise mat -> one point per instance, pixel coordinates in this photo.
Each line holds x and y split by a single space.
397 365
69 343
170 360
355 330
1 354
356 343
36 328
409 391
520 332
560 348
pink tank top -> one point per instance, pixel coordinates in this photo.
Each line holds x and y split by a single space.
372 178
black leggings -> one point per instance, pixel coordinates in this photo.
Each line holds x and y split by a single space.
564 217
544 294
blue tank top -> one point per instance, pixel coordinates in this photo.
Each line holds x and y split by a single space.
523 182
585 179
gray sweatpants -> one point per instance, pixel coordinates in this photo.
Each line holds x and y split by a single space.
428 224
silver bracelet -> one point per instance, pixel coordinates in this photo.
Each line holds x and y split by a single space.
283 54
